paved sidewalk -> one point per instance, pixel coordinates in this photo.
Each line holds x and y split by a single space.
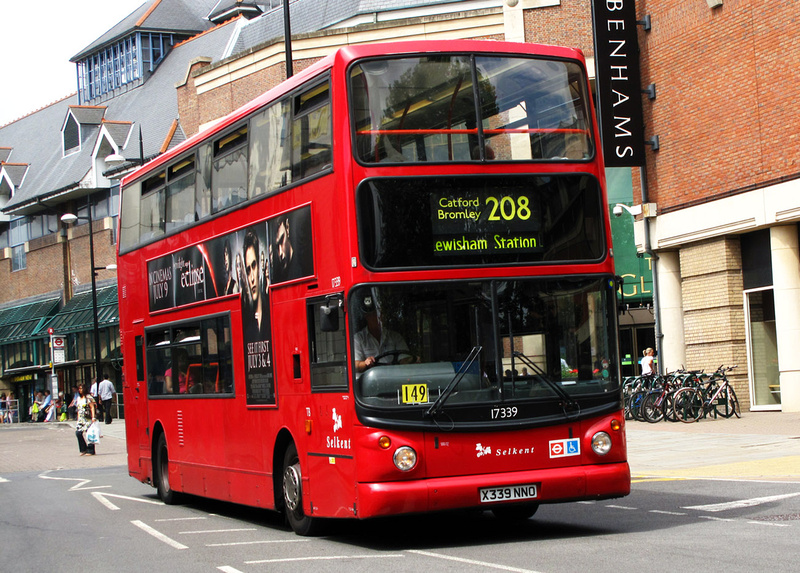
759 446
44 446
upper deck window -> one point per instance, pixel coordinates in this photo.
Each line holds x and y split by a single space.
229 179
280 145
446 108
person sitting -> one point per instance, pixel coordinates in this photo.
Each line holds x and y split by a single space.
374 340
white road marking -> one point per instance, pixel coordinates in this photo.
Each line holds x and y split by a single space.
324 558
714 507
158 535
101 497
621 507
485 564
667 512
3 480
769 523
228 569
76 487
201 531
256 542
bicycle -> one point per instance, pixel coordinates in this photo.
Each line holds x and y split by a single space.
691 403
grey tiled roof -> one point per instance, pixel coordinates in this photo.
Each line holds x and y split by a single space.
188 16
152 107
314 15
88 114
119 131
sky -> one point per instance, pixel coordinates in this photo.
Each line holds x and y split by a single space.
36 42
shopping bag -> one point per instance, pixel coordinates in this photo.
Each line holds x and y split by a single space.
93 433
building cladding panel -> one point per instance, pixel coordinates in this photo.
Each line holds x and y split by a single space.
723 112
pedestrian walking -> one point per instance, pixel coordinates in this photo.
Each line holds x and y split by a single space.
87 412
105 394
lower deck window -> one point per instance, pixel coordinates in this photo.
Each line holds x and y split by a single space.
190 358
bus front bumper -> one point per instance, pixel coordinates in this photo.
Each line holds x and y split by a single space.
578 483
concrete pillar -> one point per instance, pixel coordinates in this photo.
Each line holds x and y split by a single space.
786 282
513 22
670 300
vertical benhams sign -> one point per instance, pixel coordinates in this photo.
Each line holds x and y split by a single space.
619 92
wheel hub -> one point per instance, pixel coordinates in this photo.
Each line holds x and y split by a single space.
292 486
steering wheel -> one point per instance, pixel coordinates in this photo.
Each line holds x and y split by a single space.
395 354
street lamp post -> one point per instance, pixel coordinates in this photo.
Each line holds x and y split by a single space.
69 219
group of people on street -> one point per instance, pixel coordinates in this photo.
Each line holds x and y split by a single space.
87 407
45 409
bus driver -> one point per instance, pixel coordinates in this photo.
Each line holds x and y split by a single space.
374 340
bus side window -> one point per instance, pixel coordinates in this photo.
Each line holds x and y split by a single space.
327 345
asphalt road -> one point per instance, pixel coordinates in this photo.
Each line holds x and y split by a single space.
85 514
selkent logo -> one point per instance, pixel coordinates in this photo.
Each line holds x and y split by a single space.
565 448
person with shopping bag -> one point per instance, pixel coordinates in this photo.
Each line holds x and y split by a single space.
87 412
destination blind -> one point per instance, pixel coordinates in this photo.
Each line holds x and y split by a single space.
413 222
484 222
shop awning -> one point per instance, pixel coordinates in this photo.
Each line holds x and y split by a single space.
77 315
24 321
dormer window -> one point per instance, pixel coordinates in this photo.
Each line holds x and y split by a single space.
72 135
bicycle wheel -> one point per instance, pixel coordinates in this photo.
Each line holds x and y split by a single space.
726 403
651 407
636 402
688 405
669 407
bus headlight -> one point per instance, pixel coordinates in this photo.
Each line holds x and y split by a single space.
601 443
405 458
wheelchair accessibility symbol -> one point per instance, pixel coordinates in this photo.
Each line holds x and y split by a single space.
564 448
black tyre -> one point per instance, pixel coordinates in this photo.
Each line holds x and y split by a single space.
515 512
300 523
652 407
161 470
726 404
688 405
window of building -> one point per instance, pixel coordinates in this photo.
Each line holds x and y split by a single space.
72 135
18 236
123 63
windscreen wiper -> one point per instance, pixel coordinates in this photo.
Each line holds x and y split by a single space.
436 407
569 405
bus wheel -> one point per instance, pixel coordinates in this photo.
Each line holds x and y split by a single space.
165 492
515 512
301 523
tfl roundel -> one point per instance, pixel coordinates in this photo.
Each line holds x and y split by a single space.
564 448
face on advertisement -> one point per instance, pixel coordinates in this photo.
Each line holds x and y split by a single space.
282 243
253 269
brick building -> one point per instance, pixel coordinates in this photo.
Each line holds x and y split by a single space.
727 183
724 179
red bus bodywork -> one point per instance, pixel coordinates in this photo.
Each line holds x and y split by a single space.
221 446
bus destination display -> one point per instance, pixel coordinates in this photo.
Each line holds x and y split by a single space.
470 221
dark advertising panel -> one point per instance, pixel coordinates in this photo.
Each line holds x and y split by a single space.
619 91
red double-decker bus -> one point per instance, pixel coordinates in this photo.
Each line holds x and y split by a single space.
383 287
